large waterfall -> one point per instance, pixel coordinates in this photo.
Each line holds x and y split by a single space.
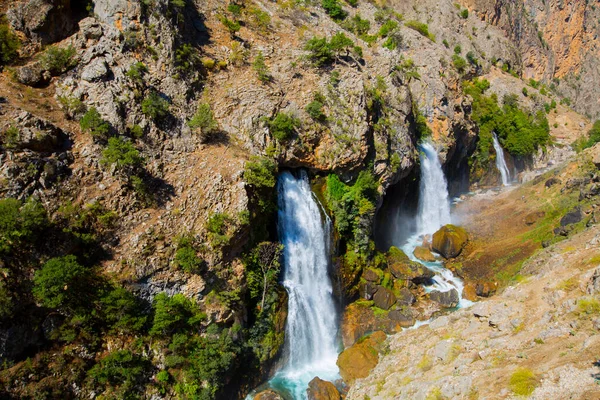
501 162
434 205
311 328
432 213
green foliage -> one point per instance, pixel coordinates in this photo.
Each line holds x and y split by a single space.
187 259
261 19
58 60
420 27
422 129
6 302
174 314
282 126
136 72
186 58
9 43
177 3
60 283
122 311
320 52
520 133
523 382
264 75
232 26
204 122
464 14
457 49
593 137
261 172
334 9
218 227
389 26
119 372
459 63
20 223
357 25
315 110
264 264
10 137
235 9
408 68
154 106
73 106
121 153
525 91
472 59
93 123
446 44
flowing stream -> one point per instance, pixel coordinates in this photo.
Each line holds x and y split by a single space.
311 332
432 213
501 162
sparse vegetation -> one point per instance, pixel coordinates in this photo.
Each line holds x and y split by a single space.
420 27
523 382
155 106
58 60
93 123
282 126
264 75
334 9
122 154
9 43
203 122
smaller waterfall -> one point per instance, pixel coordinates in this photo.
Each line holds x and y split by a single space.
434 206
501 162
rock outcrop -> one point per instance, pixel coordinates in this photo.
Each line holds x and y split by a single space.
358 360
449 241
319 389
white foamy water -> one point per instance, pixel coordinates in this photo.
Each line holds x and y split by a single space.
501 162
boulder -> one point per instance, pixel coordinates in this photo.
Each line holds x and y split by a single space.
384 298
366 290
486 289
358 360
38 135
470 292
572 217
319 389
371 275
402 267
32 74
449 240
552 181
43 21
447 299
402 316
95 70
423 253
405 297
268 395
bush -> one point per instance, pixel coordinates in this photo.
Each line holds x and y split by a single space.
420 27
593 137
357 25
122 311
334 9
60 283
121 371
389 26
464 14
174 314
525 91
136 72
217 227
58 60
523 382
457 49
123 154
232 26
19 223
204 122
72 106
9 44
261 172
315 110
260 19
459 63
472 59
93 123
186 58
154 106
10 137
320 52
282 126
261 68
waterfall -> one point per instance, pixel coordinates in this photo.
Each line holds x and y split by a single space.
501 162
311 328
434 206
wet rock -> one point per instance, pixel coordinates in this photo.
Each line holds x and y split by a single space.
366 290
268 395
470 292
384 298
371 276
358 360
402 267
319 389
402 316
572 217
405 297
447 299
423 253
449 240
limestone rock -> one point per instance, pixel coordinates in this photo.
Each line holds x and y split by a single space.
449 240
95 71
43 21
358 360
447 299
384 298
32 74
319 389
268 395
423 253
402 267
572 217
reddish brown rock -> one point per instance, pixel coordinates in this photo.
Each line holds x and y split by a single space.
449 241
384 298
268 395
319 389
424 254
358 360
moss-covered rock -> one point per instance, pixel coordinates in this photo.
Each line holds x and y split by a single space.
402 267
358 360
449 240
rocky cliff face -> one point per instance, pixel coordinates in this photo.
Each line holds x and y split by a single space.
557 42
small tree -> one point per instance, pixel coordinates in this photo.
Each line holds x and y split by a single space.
264 75
9 43
334 9
60 283
19 223
282 126
204 122
154 106
123 154
320 52
266 264
93 123
58 60
137 72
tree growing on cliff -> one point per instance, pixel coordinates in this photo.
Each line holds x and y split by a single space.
263 271
9 43
61 283
264 75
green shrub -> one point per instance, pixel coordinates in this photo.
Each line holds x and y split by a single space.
174 314
593 135
154 106
523 382
20 223
232 26
282 126
464 14
122 311
218 227
121 371
93 123
58 60
235 9
72 106
10 137
358 25
408 68
525 91
264 75
261 19
333 9
122 154
261 172
320 52
9 44
204 122
459 63
186 58
352 3
472 59
315 110
136 131
457 49
389 26
420 27
446 44
60 283
136 72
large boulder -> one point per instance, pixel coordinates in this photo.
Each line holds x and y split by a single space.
447 299
384 298
405 297
402 317
268 395
32 74
43 21
572 217
358 360
38 135
318 389
449 240
423 253
402 267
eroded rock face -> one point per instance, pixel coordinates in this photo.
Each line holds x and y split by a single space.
358 360
319 389
43 21
449 241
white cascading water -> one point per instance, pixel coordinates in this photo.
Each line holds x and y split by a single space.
501 162
434 206
311 331
433 212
